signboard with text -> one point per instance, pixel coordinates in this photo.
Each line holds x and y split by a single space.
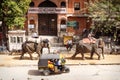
47 10
30 26
73 24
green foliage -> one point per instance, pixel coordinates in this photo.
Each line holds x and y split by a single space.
14 12
104 14
24 5
15 22
1 10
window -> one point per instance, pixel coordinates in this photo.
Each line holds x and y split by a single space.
63 4
31 4
13 39
63 25
16 39
31 26
76 6
19 39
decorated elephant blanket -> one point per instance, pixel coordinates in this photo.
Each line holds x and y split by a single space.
86 44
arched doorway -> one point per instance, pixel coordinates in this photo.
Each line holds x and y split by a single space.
47 23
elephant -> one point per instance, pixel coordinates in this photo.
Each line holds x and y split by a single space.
82 47
31 47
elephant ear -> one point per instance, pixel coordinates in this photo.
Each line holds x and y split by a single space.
39 46
29 47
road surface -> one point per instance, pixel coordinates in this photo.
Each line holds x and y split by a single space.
77 72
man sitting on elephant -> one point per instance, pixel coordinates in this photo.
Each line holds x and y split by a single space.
45 44
31 47
88 45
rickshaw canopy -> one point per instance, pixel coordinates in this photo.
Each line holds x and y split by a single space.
50 56
43 61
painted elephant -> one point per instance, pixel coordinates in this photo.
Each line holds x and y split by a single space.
31 47
82 47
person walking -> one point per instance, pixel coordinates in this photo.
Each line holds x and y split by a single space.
69 44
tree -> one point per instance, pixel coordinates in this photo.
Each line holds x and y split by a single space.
105 15
12 14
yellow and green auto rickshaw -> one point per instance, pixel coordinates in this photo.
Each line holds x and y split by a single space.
52 63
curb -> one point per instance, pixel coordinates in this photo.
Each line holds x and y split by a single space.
95 64
3 65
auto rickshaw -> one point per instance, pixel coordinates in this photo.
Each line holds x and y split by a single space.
52 63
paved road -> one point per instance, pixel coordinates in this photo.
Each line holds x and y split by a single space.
78 72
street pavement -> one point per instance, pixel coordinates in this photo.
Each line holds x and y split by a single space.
77 72
13 60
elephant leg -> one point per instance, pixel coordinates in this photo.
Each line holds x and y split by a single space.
95 51
83 57
98 55
41 50
30 56
73 56
91 55
38 52
103 52
22 55
48 50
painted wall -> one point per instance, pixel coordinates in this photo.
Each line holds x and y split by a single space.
71 15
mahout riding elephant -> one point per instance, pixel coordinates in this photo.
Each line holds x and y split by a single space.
45 44
31 47
88 47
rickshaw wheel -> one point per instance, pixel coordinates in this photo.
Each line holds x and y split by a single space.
67 70
46 72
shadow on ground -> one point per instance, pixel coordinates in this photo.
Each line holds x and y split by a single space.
38 73
24 58
34 72
80 58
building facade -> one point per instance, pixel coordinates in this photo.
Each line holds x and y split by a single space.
57 17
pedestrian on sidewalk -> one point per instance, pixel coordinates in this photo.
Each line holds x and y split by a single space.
69 44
